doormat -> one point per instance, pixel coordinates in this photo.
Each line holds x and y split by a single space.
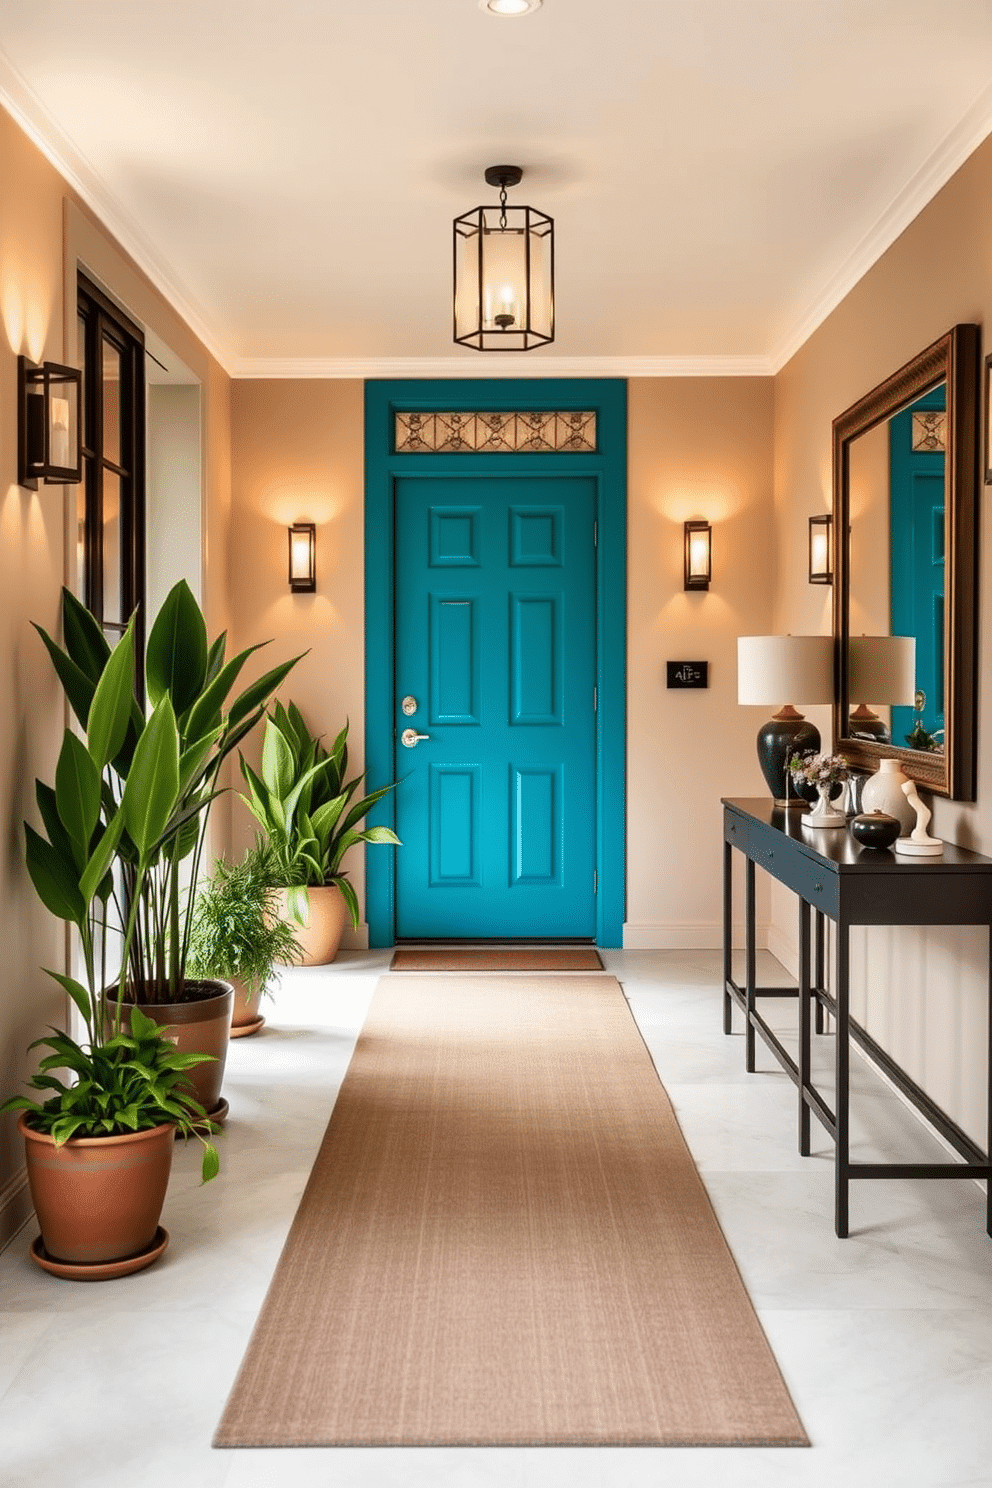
504 1241
496 958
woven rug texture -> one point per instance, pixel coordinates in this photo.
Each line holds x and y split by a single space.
496 958
504 1241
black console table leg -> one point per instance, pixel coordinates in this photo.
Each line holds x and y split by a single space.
751 973
843 1093
728 931
804 1027
988 1149
820 966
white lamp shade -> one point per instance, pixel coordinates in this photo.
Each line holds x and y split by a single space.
882 669
785 669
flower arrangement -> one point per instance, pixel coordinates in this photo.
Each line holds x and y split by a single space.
818 769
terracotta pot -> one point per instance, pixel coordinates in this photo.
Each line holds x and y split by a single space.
319 940
200 1025
98 1198
245 1013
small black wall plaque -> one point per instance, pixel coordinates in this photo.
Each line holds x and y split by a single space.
688 673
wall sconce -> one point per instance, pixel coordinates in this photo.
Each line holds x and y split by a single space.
698 555
821 549
48 442
303 558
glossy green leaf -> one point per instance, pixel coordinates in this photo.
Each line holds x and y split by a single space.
84 637
176 654
77 791
206 712
277 761
79 689
152 788
54 879
258 694
111 708
92 881
76 991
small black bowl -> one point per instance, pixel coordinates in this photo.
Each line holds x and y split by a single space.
875 829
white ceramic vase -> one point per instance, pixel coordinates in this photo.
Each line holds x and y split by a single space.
883 792
824 814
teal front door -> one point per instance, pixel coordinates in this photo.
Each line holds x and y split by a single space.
495 680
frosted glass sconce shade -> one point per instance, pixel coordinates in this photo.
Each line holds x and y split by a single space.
698 555
48 432
303 557
821 549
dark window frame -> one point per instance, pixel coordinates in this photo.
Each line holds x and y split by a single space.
103 321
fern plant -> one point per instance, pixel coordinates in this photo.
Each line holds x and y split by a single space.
237 930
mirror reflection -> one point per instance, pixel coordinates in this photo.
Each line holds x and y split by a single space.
905 472
896 633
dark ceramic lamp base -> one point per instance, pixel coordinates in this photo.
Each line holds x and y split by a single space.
786 734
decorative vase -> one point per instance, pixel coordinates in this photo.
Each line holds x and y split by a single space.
883 792
823 814
875 829
320 937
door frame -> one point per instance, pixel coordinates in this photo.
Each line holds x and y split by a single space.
607 397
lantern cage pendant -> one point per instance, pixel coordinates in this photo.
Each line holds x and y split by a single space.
504 273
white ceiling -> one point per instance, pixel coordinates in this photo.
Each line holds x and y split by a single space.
720 171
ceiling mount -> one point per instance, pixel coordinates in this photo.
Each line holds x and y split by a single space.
503 176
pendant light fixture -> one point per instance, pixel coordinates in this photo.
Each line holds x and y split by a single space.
504 273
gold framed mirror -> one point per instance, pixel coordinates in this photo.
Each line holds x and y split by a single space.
905 483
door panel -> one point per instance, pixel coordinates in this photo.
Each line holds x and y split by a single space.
496 640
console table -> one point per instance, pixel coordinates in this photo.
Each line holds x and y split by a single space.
836 879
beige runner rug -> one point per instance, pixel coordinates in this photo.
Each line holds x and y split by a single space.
496 958
504 1241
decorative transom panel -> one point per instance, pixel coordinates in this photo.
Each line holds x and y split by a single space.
494 433
929 432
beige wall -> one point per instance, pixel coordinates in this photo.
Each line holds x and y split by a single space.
32 542
44 236
924 993
698 447
298 456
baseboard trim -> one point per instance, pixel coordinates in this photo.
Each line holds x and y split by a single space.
355 940
705 935
784 948
15 1207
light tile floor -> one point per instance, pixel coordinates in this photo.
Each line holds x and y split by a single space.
885 1339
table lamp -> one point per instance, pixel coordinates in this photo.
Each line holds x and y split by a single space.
882 669
769 669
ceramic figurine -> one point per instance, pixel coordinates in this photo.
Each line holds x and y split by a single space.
919 844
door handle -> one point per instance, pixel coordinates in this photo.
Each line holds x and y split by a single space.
409 738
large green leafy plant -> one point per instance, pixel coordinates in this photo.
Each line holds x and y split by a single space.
128 809
305 808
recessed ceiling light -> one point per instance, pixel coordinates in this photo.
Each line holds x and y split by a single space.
509 8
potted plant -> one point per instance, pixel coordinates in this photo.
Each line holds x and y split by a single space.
130 1087
238 934
167 766
128 810
304 806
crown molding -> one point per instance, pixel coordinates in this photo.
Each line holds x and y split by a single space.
498 364
972 130
28 111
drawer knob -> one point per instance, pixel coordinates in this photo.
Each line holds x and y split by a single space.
818 888
770 855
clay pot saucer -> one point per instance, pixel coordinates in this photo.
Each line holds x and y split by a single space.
245 1030
99 1270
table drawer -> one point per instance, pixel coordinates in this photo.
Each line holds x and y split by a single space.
802 872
